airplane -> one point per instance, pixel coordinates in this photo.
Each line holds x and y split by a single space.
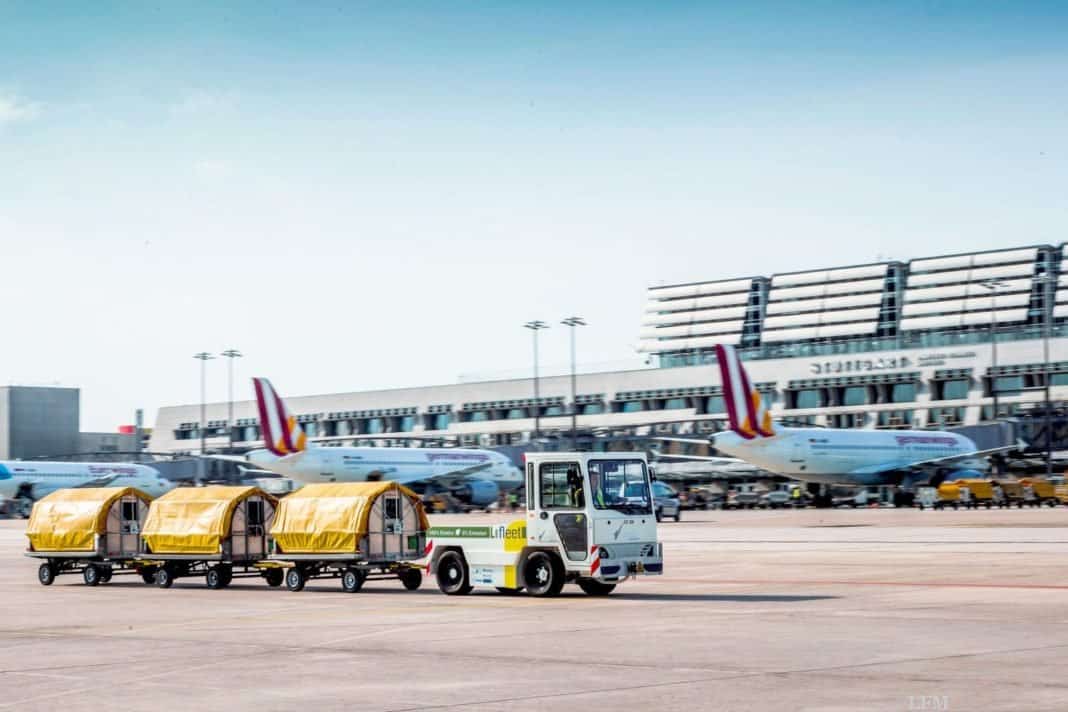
475 477
827 456
26 481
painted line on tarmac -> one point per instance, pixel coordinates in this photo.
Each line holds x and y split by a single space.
832 582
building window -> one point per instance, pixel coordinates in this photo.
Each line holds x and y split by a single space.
903 393
1009 384
956 389
441 421
631 407
592 409
676 404
855 395
810 398
554 410
477 416
715 404
1058 379
407 424
374 426
516 413
895 419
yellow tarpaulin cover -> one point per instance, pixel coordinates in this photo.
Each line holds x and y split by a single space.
193 520
70 519
331 518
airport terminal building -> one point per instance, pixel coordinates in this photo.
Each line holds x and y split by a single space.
934 342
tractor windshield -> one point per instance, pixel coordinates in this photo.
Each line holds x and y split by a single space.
622 485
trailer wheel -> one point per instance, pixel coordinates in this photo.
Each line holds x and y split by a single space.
91 575
411 578
453 578
274 577
148 574
214 578
46 573
295 579
352 580
596 588
164 577
227 572
105 574
543 574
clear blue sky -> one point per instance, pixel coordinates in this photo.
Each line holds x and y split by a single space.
362 195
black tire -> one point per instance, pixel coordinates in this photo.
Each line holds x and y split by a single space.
227 573
91 575
411 578
659 515
274 577
295 579
214 578
453 577
596 588
164 577
105 574
352 580
46 573
678 514
148 574
543 574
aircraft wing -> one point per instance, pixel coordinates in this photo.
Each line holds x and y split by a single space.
98 482
448 479
1018 445
947 460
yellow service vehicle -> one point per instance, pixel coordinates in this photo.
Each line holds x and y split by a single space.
589 520
211 531
94 531
1042 491
353 531
967 493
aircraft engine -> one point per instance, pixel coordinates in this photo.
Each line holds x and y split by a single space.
477 493
964 475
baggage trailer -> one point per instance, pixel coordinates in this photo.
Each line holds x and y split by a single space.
590 520
353 531
94 531
210 531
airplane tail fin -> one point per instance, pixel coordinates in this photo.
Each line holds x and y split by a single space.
281 431
746 409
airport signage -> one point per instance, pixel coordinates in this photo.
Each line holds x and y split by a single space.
860 365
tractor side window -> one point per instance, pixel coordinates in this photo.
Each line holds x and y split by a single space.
530 486
129 511
561 486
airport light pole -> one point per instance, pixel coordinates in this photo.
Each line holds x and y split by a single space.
573 321
1047 280
203 357
230 354
993 285
535 327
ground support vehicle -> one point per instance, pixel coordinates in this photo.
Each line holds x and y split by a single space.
92 531
579 528
966 494
353 531
1042 491
218 532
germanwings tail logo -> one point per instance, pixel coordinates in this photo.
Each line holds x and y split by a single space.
748 414
281 432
